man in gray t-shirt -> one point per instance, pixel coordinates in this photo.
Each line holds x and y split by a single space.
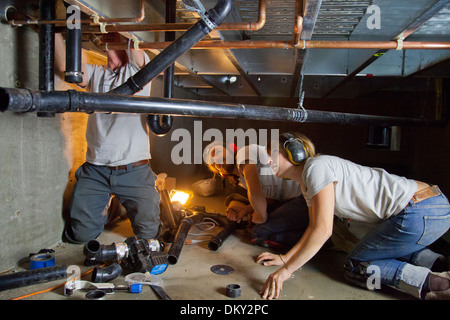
117 157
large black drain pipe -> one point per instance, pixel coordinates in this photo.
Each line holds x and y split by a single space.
213 18
73 73
47 10
24 100
160 125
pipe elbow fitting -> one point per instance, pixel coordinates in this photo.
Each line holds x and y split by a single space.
159 125
105 274
220 11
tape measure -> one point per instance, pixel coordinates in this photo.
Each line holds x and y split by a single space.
42 260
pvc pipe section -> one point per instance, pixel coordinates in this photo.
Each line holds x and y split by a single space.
25 100
73 72
47 10
180 237
30 277
161 125
214 17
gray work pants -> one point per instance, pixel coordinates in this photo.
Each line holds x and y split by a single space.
133 187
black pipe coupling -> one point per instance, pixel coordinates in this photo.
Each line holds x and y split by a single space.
215 16
105 274
135 253
97 253
159 125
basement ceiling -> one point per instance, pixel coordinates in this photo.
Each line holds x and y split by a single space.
285 72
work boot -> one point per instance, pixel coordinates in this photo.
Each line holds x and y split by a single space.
439 295
355 273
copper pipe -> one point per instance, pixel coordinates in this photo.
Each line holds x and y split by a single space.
298 24
389 45
249 26
155 27
159 27
304 44
152 27
63 22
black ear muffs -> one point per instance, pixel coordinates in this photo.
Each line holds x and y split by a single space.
294 148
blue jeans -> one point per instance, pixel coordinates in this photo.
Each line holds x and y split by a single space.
133 187
397 247
286 222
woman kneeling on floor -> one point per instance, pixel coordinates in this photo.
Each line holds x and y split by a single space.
410 216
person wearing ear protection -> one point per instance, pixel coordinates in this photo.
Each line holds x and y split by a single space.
277 209
409 215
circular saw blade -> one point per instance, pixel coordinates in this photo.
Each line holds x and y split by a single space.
222 269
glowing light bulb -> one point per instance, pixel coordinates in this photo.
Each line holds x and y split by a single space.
180 196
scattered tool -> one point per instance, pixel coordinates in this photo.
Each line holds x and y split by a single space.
108 288
42 259
222 269
153 281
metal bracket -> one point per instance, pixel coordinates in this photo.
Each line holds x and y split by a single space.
196 6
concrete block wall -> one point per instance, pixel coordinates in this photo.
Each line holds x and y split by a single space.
33 163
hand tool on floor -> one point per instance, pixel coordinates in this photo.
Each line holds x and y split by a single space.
108 288
153 281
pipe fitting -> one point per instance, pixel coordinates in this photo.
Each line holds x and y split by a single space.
105 274
216 241
95 252
73 73
164 59
159 125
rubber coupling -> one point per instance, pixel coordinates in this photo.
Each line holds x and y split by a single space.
233 290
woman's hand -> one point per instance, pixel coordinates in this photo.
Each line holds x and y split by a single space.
270 259
274 284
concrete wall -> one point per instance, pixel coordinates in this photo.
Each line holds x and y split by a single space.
33 163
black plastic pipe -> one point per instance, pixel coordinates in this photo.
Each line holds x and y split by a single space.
97 253
73 72
105 274
160 125
24 100
30 277
215 17
167 211
216 241
47 10
180 237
